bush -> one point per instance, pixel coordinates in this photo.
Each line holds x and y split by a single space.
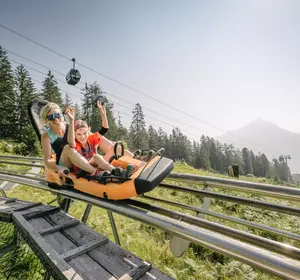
20 149
5 147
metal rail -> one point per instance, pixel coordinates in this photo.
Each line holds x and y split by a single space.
22 158
236 199
281 192
231 232
273 263
277 231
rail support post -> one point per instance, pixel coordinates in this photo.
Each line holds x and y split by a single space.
86 213
177 244
114 228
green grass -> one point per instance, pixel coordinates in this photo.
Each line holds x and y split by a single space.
152 244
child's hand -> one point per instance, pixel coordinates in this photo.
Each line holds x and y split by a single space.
70 112
101 108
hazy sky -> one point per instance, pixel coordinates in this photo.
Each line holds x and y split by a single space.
225 62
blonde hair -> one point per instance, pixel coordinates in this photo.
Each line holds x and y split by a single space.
46 109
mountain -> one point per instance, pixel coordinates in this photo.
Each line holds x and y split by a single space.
267 138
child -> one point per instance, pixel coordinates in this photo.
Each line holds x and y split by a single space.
80 138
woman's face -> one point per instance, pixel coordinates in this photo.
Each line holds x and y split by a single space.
55 116
81 134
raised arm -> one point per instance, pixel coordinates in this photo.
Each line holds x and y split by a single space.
102 111
71 133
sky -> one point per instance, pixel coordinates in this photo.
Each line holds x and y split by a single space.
225 63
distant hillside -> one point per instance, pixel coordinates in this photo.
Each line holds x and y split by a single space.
269 139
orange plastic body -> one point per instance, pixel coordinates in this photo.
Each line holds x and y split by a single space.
112 190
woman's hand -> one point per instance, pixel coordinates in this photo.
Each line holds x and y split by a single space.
62 171
102 108
70 111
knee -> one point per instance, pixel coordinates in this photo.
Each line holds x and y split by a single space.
68 149
96 156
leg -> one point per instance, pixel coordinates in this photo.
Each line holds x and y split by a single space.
101 163
70 156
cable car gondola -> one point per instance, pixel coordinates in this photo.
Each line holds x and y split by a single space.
73 76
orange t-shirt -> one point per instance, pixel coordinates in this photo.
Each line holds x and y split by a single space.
90 149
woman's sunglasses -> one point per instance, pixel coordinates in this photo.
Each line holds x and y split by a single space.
54 116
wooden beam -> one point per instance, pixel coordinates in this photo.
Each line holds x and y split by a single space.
41 213
34 204
10 200
58 227
137 272
83 249
58 265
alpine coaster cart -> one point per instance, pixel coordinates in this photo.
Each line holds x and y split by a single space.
147 176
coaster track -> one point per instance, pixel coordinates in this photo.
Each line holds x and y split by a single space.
276 258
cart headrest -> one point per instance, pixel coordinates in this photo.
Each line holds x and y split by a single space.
34 109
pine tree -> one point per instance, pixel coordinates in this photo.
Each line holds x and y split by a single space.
25 92
264 166
8 98
122 132
77 111
204 154
86 104
50 91
255 164
197 154
138 132
246 161
213 155
152 140
90 112
67 100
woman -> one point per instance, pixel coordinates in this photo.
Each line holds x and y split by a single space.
55 138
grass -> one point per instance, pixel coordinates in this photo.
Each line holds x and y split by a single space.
152 244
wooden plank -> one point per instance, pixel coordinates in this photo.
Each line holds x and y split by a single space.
85 266
58 227
32 205
83 249
59 266
10 200
41 213
110 255
137 272
6 209
36 209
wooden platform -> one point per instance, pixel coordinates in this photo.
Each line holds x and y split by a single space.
71 249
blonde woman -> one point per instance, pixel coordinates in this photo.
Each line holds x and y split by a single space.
55 137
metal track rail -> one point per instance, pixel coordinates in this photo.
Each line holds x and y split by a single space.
280 192
279 232
236 199
273 263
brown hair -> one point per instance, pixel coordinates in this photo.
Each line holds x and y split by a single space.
79 124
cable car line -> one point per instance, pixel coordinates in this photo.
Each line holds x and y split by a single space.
120 83
62 81
132 103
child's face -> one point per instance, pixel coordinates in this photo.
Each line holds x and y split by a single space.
82 134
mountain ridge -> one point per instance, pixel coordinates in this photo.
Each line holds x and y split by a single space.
268 138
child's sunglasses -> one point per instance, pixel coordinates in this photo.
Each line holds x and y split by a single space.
54 116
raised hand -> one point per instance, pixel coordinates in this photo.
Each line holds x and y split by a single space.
101 107
70 112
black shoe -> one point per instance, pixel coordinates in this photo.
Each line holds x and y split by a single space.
137 154
130 169
118 172
149 155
